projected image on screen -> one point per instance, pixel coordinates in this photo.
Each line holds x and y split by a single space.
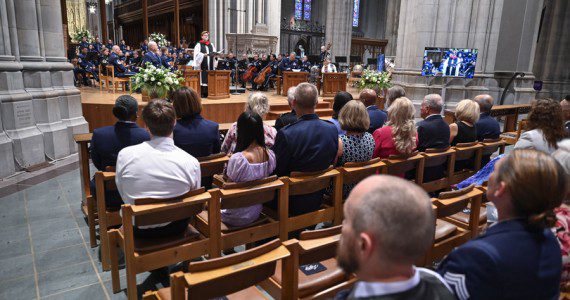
450 62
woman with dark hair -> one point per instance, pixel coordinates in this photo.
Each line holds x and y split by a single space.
109 140
340 100
252 160
193 133
518 257
545 127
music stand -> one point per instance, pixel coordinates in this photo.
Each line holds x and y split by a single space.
341 60
355 59
372 61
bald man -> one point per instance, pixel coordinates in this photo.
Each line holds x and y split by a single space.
487 126
114 59
377 116
378 210
152 56
566 111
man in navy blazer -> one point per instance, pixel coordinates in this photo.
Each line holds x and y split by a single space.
433 132
307 145
487 126
109 140
151 56
377 116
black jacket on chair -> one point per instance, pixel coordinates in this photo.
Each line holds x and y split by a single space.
433 132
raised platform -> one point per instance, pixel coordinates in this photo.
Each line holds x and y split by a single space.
97 107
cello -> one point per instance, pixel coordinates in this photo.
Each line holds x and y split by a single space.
248 75
260 79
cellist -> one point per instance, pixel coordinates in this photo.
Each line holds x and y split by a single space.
254 65
274 65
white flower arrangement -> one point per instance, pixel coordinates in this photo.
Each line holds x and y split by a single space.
159 39
156 81
80 33
374 80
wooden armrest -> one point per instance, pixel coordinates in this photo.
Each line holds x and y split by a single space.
166 205
83 137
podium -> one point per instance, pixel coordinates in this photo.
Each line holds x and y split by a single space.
334 83
219 84
292 79
192 79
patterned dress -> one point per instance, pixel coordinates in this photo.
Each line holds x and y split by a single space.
230 141
563 235
356 148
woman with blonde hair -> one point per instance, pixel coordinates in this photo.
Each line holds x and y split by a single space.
464 130
259 104
399 135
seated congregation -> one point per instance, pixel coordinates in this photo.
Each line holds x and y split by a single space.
362 206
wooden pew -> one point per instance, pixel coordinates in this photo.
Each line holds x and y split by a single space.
444 157
107 218
149 254
447 234
317 246
238 195
398 165
233 276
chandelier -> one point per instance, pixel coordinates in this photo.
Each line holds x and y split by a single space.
108 2
92 7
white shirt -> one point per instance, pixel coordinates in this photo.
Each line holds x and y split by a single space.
330 68
156 169
363 289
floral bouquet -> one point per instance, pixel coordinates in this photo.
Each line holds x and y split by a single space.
374 80
159 39
80 33
156 82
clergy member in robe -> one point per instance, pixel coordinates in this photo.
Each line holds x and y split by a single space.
203 61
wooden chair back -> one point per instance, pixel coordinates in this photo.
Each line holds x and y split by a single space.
464 152
400 164
212 164
304 183
219 277
354 172
313 247
238 195
491 146
149 254
438 157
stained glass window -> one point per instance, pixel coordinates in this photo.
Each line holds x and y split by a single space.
307 12
356 13
302 10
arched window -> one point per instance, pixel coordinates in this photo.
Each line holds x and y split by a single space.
303 10
356 13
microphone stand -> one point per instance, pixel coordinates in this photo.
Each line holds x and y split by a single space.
236 74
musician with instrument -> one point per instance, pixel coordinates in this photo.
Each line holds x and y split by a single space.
242 67
205 60
325 52
290 63
305 64
267 73
252 71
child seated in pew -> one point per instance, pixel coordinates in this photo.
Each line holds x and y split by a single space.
252 160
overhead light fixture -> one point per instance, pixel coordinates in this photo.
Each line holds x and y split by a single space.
92 9
108 2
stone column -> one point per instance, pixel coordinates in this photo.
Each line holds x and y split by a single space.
338 29
6 60
551 63
499 29
392 20
219 18
61 73
16 104
273 20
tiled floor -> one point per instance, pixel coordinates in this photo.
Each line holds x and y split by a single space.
44 246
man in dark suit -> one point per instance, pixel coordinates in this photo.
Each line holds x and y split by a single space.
290 117
151 56
109 140
433 132
487 126
377 116
308 145
120 69
291 63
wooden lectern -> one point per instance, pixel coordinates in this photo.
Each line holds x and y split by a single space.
218 84
334 83
292 79
192 79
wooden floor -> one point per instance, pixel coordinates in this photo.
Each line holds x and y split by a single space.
97 106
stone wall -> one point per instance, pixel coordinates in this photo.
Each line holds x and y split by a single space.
40 108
